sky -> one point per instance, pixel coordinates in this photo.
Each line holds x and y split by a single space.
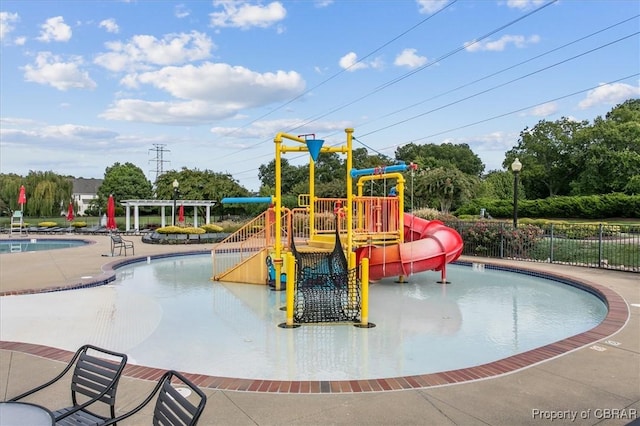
207 85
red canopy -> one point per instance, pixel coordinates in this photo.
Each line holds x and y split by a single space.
70 215
22 197
181 213
111 213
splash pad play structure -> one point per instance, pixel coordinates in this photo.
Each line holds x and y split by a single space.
325 251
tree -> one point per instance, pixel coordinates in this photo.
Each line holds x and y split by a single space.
200 185
448 187
329 166
362 159
48 193
290 175
609 152
499 184
546 152
9 189
445 155
125 182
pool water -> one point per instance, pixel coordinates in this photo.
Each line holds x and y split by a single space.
19 246
167 313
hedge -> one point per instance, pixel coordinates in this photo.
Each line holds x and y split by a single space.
580 207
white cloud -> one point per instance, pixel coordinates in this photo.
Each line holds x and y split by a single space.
49 69
544 110
225 83
207 92
323 3
502 43
350 62
240 14
609 94
20 41
54 29
431 6
168 112
6 23
144 51
265 129
73 131
181 11
410 59
110 25
57 135
524 4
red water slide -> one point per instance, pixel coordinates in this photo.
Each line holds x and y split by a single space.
429 245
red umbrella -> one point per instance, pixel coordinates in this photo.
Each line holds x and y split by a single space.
22 197
111 213
70 215
181 213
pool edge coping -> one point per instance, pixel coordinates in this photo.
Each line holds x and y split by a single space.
616 318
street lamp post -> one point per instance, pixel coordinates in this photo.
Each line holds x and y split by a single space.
175 197
516 166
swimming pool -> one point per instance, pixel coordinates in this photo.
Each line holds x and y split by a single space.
166 313
37 244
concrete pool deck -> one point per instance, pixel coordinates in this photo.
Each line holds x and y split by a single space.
596 376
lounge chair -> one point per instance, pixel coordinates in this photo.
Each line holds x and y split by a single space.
95 380
172 408
91 229
117 242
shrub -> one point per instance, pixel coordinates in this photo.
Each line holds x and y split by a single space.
427 213
47 224
230 226
585 230
486 237
211 228
179 230
78 224
584 207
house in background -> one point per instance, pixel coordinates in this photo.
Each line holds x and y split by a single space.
84 191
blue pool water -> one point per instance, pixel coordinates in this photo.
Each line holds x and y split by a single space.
33 244
167 313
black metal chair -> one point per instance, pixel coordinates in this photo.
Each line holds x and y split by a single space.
95 380
117 242
172 408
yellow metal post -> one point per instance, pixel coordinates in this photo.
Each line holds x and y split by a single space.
349 133
312 198
277 260
364 267
291 271
352 288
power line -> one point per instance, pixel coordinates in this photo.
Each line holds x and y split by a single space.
504 69
411 73
415 71
464 126
327 80
311 119
501 84
396 80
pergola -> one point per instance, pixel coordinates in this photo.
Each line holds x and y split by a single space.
162 204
